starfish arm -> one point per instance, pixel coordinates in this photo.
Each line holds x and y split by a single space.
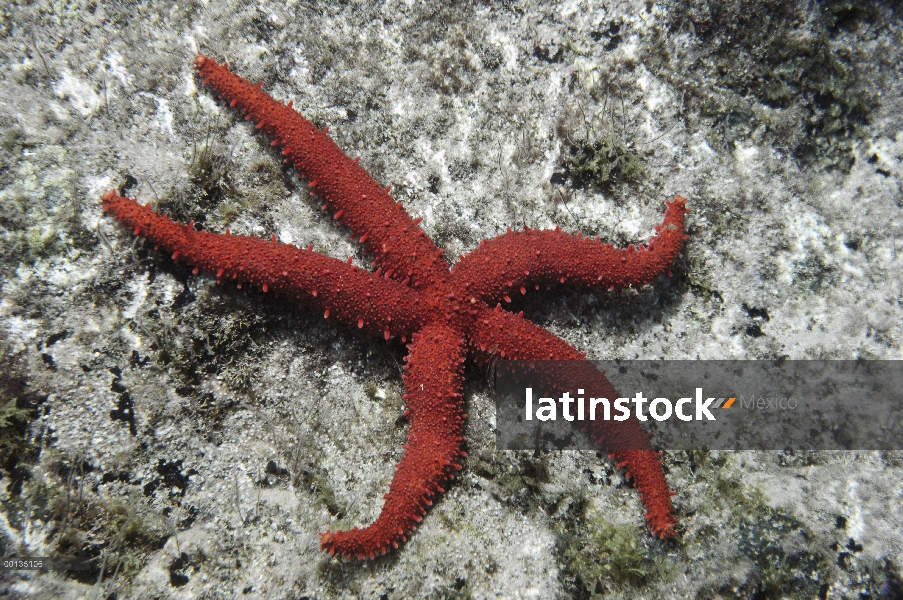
376 305
386 230
433 377
500 333
516 261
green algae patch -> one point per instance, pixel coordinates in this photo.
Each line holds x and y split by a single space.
602 164
773 72
784 559
599 557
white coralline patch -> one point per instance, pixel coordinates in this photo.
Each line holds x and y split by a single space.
554 89
629 49
80 95
62 275
116 68
191 88
811 232
96 187
138 290
656 95
744 154
855 520
21 331
511 53
256 50
703 148
336 374
209 104
163 117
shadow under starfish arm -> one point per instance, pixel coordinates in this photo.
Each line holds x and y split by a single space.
352 295
384 227
518 260
512 337
432 377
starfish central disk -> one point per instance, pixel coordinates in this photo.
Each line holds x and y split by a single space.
445 314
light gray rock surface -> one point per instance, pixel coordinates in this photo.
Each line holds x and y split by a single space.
194 439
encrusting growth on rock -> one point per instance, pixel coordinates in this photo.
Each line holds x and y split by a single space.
448 314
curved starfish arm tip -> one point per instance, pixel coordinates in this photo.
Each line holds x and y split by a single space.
435 412
518 261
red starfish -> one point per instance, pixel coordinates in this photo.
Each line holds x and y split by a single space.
446 312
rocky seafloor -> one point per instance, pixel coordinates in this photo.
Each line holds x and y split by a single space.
192 439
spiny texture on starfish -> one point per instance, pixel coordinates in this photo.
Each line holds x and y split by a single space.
353 295
518 260
445 312
383 226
